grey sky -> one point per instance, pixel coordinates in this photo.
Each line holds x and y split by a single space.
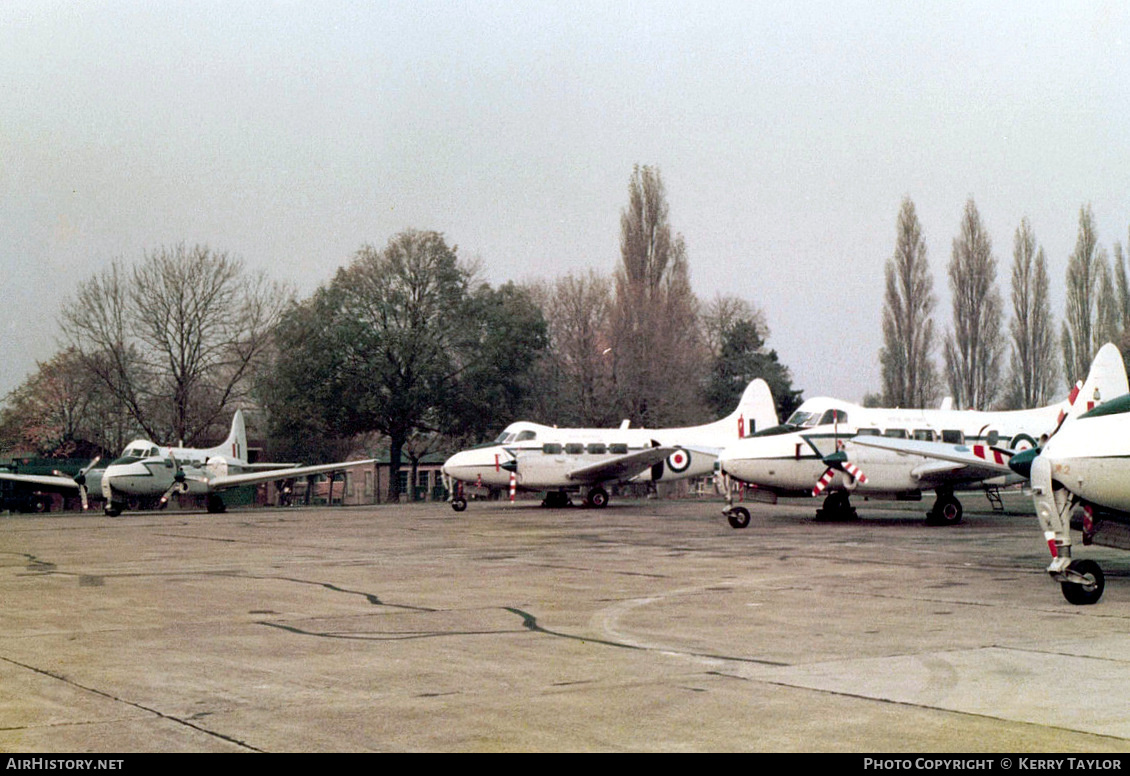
290 134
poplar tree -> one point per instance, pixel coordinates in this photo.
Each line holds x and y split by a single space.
657 358
909 376
1033 367
1081 333
975 347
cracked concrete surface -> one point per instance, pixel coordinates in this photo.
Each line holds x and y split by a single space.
649 626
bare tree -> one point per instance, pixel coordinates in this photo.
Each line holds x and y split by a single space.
1033 365
576 370
909 376
1081 329
656 349
974 349
723 313
176 338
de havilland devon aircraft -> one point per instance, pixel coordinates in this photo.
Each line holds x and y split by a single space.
842 448
530 456
1082 469
146 470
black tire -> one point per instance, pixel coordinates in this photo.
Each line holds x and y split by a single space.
459 504
1089 592
738 517
216 505
597 498
112 509
946 512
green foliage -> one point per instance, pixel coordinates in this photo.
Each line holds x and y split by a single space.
399 343
741 359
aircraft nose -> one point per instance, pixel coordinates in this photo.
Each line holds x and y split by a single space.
457 465
1021 463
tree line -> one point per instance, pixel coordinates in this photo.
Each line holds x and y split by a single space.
983 367
405 348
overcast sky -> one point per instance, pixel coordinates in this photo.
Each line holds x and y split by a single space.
787 134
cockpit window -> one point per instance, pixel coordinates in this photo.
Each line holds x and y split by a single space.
503 438
833 416
525 436
798 418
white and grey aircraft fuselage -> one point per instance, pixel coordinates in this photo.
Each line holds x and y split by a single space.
820 449
146 470
532 456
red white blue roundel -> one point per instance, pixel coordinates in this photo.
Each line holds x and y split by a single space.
678 461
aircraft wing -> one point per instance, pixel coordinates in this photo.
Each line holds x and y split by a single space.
950 462
53 481
622 467
254 478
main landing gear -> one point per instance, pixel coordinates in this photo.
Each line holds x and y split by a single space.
556 499
946 509
597 498
837 507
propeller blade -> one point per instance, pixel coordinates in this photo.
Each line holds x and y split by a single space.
80 480
838 462
822 483
855 472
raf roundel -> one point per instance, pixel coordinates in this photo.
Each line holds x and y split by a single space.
678 461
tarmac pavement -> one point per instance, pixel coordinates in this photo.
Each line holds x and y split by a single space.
645 626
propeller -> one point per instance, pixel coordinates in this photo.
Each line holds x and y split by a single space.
178 484
1021 462
838 461
80 480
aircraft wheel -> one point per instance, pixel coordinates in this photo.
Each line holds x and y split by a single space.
1090 591
112 509
459 504
598 498
40 504
738 517
216 505
946 511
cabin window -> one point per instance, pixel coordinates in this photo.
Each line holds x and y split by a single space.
574 448
868 432
953 436
551 448
895 433
597 448
925 435
618 449
993 437
525 436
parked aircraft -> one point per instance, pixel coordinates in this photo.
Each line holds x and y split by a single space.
822 447
1081 471
530 456
149 470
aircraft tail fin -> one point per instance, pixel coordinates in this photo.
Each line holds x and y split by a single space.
756 411
1106 380
236 443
